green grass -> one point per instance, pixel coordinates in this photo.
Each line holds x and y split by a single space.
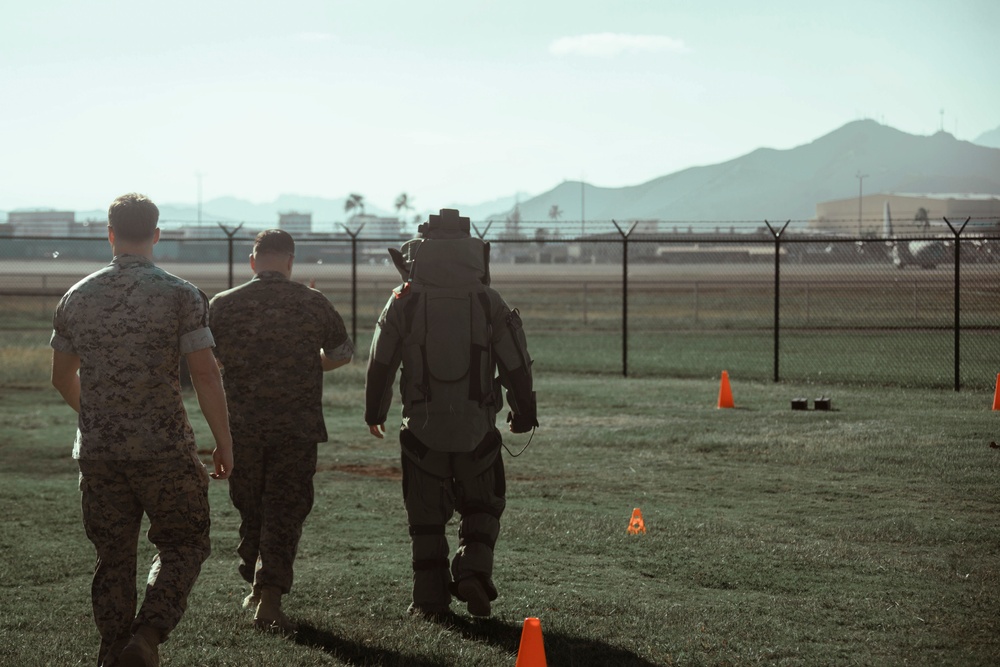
821 359
864 535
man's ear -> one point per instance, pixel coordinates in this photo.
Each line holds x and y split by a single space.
156 236
253 263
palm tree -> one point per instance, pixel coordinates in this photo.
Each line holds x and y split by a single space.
554 212
403 203
922 218
355 201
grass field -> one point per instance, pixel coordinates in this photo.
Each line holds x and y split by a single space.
867 535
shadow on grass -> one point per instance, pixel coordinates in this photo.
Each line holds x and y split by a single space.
355 653
560 649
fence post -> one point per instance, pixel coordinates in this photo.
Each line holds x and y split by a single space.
354 279
625 236
958 281
229 240
777 291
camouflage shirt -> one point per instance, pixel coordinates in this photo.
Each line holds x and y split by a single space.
129 323
269 333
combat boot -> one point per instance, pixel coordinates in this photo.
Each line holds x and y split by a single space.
251 601
110 656
473 593
142 650
269 617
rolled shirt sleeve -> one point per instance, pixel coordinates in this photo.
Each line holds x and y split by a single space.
196 340
61 343
343 351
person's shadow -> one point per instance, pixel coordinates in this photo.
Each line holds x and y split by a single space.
561 650
354 653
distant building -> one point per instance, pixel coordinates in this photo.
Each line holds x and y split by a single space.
296 224
89 227
42 222
374 226
842 214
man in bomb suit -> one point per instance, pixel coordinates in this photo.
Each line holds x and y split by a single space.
452 333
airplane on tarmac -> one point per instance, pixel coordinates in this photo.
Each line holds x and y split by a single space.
926 254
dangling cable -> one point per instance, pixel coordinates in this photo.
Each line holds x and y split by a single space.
522 448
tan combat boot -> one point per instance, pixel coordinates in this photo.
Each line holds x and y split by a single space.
269 617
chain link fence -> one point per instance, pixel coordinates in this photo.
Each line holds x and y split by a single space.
766 302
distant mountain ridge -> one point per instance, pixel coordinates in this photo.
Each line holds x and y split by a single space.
989 139
786 184
763 184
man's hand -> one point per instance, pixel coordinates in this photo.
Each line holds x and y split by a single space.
223 460
377 430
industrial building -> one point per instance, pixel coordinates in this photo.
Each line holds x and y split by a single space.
863 216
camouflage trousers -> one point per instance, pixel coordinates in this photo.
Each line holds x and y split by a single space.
435 484
173 493
272 489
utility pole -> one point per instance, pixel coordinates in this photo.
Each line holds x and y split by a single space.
583 216
861 179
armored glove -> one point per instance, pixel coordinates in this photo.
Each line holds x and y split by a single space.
524 421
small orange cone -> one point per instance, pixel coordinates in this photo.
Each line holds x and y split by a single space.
725 392
531 652
996 394
636 525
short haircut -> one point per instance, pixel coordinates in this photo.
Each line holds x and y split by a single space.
274 241
133 217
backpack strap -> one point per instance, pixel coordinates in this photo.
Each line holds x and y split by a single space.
476 392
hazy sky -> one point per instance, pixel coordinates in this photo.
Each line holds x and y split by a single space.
458 101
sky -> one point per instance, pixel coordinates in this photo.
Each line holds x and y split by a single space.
458 101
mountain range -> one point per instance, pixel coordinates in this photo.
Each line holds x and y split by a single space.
786 184
764 184
989 139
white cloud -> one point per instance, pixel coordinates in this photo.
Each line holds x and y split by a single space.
612 44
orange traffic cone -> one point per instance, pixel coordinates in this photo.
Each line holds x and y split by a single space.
996 394
531 652
636 525
725 392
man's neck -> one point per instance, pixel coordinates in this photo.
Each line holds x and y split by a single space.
129 249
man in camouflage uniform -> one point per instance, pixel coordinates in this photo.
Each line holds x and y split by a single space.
451 333
274 340
117 340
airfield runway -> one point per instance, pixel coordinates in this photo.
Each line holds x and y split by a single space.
55 276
